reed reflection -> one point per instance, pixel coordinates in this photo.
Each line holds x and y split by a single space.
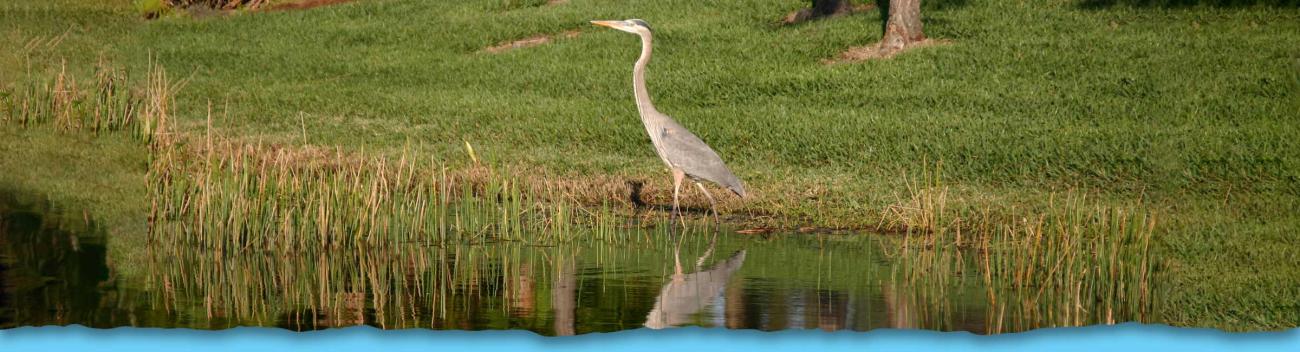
56 270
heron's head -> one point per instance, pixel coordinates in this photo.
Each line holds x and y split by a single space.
633 26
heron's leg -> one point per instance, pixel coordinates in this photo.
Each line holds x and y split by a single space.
713 205
699 263
677 261
678 176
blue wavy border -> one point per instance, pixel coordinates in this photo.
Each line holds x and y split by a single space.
1095 338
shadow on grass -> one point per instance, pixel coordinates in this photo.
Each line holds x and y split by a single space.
635 196
936 5
829 9
1102 4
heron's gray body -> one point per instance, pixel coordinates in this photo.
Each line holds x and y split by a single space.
677 147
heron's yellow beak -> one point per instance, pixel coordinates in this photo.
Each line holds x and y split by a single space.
610 24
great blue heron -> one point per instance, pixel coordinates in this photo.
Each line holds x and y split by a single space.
684 153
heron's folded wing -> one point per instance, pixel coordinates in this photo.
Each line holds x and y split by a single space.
696 158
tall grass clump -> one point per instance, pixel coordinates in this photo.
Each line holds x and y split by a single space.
230 195
105 103
1074 265
1073 262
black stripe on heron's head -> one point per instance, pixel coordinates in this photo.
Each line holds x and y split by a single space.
641 23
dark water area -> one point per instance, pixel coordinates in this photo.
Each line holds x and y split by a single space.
55 270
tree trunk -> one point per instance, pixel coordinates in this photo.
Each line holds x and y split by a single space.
564 298
734 308
903 27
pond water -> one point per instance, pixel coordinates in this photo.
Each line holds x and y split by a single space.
57 271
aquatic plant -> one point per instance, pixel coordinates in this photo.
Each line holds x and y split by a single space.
1074 262
230 195
104 104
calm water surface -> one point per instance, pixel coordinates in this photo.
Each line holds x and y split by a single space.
55 269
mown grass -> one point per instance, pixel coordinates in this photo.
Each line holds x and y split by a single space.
1121 112
1189 109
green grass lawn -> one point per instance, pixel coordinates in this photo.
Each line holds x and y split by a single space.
1192 110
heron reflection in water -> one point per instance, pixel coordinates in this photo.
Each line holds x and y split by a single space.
687 294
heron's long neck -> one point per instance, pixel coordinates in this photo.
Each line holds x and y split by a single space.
643 104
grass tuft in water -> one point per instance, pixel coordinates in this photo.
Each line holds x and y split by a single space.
1072 263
